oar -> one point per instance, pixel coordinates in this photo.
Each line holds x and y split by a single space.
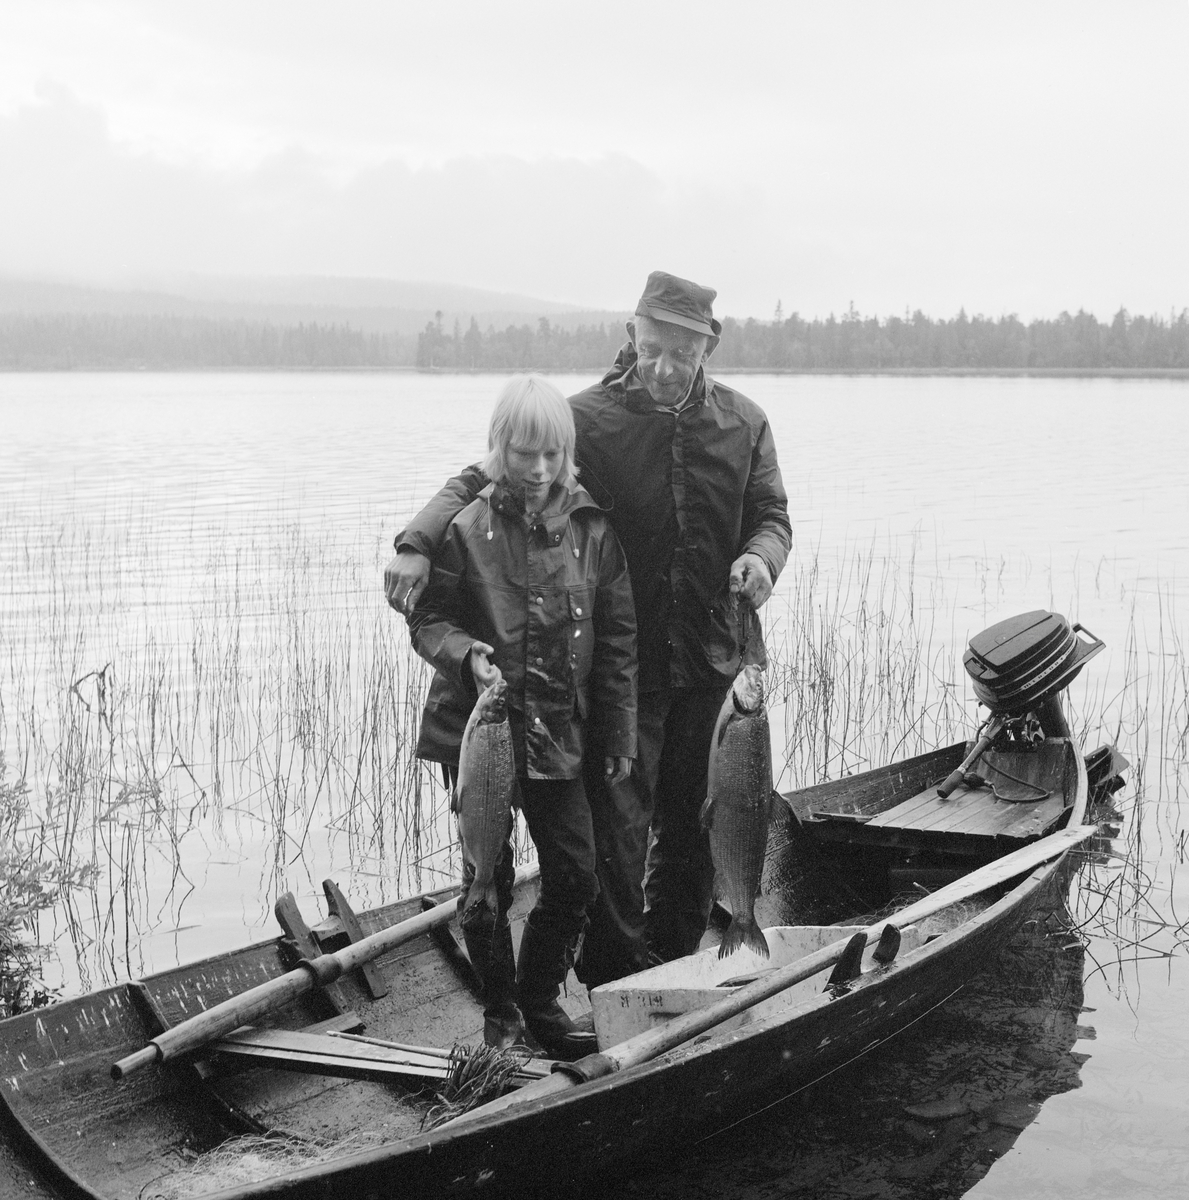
653 1042
276 993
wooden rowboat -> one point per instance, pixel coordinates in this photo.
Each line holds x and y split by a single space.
342 1075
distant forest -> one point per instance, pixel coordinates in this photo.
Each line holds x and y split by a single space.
848 343
104 341
852 342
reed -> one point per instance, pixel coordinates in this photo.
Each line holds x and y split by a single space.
1124 903
249 697
858 674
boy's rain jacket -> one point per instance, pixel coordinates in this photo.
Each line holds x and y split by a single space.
554 601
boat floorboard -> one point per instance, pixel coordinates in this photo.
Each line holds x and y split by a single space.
1022 798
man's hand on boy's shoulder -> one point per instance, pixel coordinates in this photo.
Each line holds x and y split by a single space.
405 578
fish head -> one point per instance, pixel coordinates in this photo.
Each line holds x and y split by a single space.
748 689
492 706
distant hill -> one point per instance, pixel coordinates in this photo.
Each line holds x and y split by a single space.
382 306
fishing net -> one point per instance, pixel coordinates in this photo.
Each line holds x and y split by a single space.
251 1158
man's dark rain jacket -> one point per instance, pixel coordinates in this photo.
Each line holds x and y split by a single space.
687 492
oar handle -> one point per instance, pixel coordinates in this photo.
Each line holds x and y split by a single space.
954 779
142 1058
222 1018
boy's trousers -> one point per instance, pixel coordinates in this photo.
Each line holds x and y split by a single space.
559 822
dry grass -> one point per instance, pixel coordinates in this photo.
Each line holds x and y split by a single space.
477 1074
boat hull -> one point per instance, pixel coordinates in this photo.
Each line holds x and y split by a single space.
102 1139
645 1113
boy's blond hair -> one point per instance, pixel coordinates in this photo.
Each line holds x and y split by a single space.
532 414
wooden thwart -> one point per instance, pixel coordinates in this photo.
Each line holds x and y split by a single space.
302 944
337 906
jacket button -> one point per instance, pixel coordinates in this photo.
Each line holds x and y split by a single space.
540 662
539 600
577 632
536 720
578 612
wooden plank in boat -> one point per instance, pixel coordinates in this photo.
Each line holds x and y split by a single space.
321 1054
978 812
346 1057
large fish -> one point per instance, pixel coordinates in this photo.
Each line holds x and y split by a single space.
739 805
485 790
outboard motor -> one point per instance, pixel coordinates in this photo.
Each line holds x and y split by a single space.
1017 667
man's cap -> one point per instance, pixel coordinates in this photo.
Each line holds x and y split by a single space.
679 302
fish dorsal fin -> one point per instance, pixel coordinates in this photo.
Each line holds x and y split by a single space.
706 816
721 731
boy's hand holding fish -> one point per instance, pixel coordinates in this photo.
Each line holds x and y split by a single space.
484 670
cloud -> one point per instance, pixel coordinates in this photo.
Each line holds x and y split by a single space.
75 202
1007 223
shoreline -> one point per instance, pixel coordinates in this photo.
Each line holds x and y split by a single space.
1009 372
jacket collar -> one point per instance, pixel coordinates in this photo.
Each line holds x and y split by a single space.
563 501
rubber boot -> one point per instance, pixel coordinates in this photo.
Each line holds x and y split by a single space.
544 960
489 945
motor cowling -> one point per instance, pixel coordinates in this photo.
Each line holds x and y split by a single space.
1018 663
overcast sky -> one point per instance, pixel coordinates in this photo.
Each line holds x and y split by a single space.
1006 157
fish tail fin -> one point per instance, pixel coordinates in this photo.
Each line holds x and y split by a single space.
754 939
744 933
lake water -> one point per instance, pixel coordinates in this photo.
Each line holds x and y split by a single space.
208 697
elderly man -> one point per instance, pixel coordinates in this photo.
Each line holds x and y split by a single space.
686 469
